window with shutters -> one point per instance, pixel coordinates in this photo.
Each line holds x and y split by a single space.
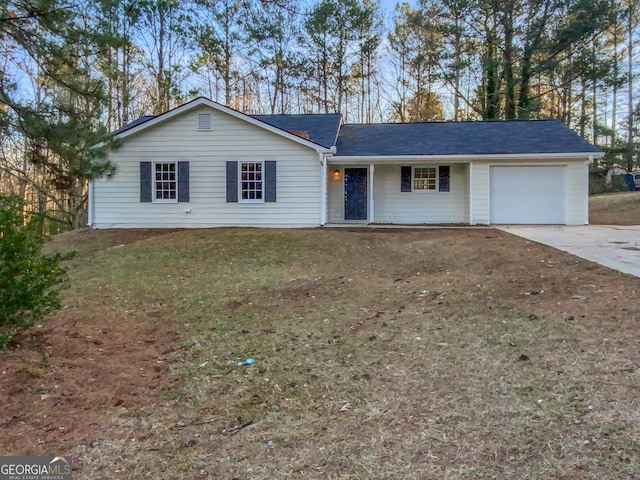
251 182
165 182
424 178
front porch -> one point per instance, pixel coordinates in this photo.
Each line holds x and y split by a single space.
400 193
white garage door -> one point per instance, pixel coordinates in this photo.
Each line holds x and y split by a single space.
528 194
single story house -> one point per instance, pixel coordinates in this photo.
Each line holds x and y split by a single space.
206 165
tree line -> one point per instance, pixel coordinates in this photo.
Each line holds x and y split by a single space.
74 71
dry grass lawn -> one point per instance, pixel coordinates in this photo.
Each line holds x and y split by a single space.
615 209
379 354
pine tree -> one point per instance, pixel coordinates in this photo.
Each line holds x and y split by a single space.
56 117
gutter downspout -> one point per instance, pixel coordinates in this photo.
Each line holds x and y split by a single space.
586 204
371 204
471 220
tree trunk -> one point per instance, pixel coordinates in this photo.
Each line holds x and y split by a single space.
510 89
614 100
630 80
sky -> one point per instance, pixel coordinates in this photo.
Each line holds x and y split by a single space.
389 5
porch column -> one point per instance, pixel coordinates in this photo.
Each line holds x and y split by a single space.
371 206
323 189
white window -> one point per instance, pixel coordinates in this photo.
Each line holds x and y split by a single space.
165 183
251 182
425 178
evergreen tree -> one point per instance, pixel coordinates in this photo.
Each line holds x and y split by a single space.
29 281
165 26
417 38
57 116
281 63
221 39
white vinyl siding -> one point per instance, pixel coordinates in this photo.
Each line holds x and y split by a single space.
117 200
479 187
335 194
394 206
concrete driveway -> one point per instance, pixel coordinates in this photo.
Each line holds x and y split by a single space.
614 246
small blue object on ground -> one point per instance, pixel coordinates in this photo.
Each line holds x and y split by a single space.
248 361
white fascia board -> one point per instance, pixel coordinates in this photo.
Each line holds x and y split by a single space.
335 160
198 102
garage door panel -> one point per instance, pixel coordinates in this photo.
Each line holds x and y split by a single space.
528 194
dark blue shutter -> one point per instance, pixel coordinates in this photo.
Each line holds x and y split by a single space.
183 181
445 178
232 181
145 181
405 179
270 181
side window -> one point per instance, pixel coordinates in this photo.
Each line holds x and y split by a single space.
165 182
251 182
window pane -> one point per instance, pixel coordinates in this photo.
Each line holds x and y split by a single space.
251 181
165 184
424 178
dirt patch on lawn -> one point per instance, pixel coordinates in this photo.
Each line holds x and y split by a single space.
378 354
62 382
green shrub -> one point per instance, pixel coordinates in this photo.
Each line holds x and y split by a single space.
29 281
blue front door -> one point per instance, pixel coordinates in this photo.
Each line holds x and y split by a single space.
355 193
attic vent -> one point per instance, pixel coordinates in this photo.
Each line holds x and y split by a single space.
204 121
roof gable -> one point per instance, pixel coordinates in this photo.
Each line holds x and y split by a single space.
511 137
146 122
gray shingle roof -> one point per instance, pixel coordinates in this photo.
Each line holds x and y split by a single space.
461 138
134 123
320 128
